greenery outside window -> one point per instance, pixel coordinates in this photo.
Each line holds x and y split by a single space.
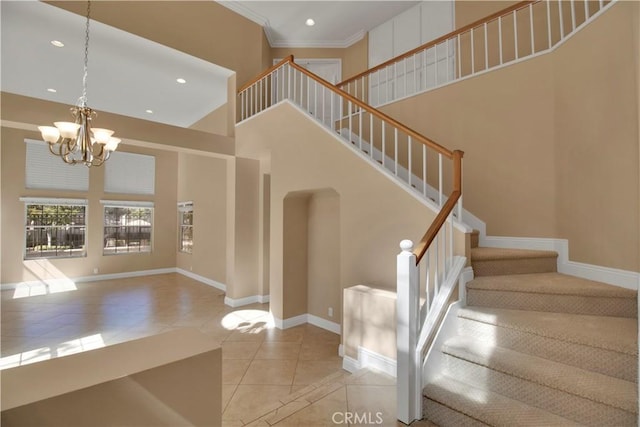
55 228
185 231
128 227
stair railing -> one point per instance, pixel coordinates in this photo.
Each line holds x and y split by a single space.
516 33
415 162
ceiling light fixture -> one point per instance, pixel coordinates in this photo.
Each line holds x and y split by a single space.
149 111
52 90
57 43
181 80
77 142
310 22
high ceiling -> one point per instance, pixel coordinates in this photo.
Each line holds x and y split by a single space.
337 23
130 75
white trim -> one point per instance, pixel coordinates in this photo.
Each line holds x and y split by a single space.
465 277
433 362
81 279
128 203
368 359
324 324
53 201
239 302
202 279
310 319
341 350
185 206
612 276
350 364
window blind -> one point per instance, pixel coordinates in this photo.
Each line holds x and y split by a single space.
130 173
45 171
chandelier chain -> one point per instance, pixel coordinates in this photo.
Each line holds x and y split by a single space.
83 99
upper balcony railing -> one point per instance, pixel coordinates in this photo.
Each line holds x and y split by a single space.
521 31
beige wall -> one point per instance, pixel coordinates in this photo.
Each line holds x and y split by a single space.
295 248
305 158
15 269
468 11
551 144
202 180
354 58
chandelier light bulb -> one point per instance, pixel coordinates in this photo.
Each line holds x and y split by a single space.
49 133
102 135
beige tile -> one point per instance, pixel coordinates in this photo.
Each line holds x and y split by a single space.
371 378
250 402
298 392
376 400
278 350
287 335
278 372
310 371
233 370
322 391
319 350
285 411
227 393
319 413
239 349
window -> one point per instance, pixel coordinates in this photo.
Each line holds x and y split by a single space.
185 232
129 173
55 228
128 227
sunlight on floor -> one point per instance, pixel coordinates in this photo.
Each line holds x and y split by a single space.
248 321
66 348
51 280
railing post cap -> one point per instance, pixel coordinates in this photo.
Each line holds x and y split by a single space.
406 245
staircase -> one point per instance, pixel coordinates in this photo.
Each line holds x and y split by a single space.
535 347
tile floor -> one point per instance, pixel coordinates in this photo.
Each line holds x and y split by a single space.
271 377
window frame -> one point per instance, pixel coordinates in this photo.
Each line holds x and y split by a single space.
127 205
49 201
184 207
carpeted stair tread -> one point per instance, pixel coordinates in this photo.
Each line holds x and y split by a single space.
493 254
589 385
550 283
610 333
488 407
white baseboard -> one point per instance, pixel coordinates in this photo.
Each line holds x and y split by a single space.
324 324
307 318
253 299
370 360
611 276
202 279
85 279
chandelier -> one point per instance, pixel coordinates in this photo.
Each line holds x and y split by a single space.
77 142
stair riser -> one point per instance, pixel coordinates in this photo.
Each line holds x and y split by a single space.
474 239
514 266
556 401
447 417
572 304
612 363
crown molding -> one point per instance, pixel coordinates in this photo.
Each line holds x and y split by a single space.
317 43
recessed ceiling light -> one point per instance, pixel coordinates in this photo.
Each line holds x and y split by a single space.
52 90
57 43
149 111
310 22
181 80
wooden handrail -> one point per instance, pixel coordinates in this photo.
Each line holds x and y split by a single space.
436 225
423 139
439 40
266 72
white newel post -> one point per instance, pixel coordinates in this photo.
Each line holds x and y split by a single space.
408 300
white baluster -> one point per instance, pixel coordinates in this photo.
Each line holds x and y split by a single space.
395 148
573 15
363 91
533 36
448 60
360 128
350 127
384 151
500 38
586 10
409 151
473 57
459 59
404 63
515 33
548 2
440 179
561 19
424 170
486 48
